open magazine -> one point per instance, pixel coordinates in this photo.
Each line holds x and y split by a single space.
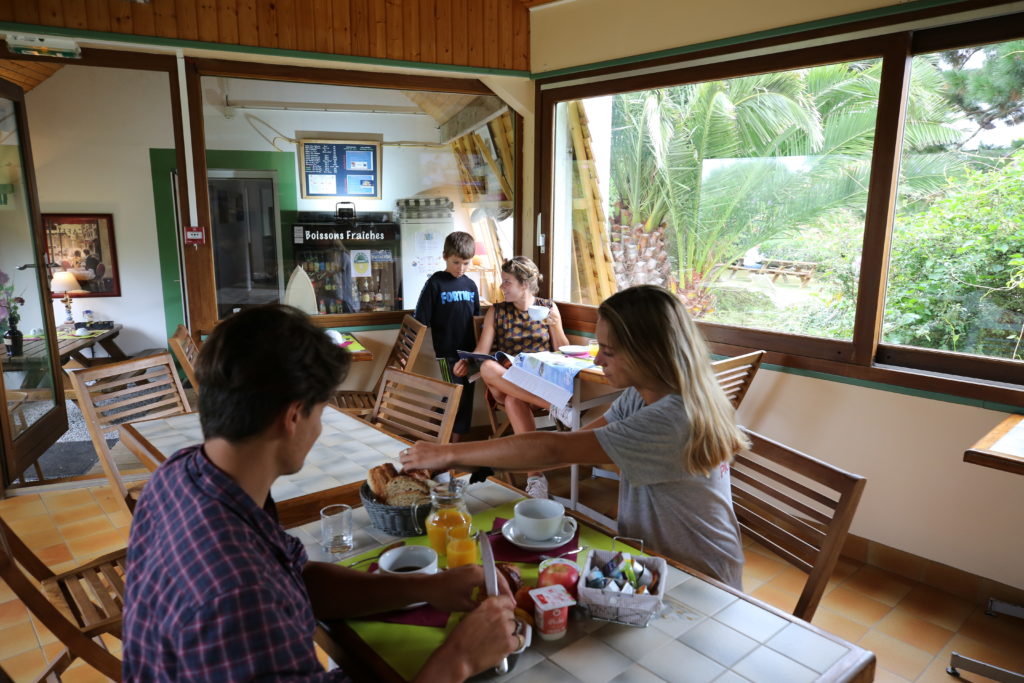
472 357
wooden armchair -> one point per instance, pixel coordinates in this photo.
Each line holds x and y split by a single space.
402 357
185 350
415 407
129 391
735 375
798 507
92 597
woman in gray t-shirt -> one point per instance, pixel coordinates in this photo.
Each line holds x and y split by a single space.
672 434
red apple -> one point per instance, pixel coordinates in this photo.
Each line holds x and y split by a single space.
560 571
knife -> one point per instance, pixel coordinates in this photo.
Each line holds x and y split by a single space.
490 581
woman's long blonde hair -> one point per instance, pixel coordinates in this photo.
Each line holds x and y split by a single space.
656 339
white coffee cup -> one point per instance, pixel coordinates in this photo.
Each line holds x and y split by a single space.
538 518
538 312
409 559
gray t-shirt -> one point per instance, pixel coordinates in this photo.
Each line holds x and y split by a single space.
688 517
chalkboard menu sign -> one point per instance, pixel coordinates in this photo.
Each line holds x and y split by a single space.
338 168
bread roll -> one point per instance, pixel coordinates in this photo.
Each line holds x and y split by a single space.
379 477
405 490
422 475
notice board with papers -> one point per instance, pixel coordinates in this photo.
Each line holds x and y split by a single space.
339 168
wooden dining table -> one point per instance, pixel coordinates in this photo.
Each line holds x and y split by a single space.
705 631
35 357
334 470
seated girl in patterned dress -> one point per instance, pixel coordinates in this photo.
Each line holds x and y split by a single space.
507 327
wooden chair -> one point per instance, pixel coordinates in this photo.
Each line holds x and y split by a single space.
798 507
735 375
91 595
402 357
132 390
415 407
185 350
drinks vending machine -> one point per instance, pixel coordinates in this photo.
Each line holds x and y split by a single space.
353 260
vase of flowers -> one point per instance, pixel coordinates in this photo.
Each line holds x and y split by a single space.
9 316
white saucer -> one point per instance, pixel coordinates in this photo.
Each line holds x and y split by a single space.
517 539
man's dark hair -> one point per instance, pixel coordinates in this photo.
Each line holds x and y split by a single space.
257 362
459 244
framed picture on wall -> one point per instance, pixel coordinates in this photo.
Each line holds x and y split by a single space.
83 244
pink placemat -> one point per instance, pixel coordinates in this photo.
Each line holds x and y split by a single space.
506 552
425 615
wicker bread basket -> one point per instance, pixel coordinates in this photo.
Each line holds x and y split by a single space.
396 520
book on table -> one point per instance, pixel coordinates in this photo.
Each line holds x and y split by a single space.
499 357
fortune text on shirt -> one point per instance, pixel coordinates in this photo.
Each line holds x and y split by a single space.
451 297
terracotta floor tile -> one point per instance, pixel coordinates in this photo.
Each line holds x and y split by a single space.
21 506
936 671
68 499
914 631
40 539
5 593
54 554
77 513
791 580
99 544
836 623
855 605
43 634
12 612
844 567
895 655
879 584
886 676
32 524
86 527
761 567
52 650
17 639
784 600
942 609
999 630
24 667
119 519
80 672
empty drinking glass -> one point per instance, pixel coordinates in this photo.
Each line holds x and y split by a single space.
336 529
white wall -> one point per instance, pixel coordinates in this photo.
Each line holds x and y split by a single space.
91 131
921 496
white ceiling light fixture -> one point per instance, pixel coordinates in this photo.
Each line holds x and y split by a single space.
43 46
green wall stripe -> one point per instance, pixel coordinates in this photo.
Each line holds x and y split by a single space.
746 38
252 49
365 328
870 384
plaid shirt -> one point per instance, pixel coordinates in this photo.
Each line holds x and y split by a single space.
214 588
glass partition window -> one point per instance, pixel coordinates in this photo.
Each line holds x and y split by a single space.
745 196
956 272
366 184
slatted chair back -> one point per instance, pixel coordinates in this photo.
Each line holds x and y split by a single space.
798 507
415 407
185 350
79 641
403 356
735 375
132 390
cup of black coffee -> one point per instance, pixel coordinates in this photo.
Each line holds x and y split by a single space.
409 559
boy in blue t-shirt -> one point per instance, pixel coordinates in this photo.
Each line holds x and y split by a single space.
447 304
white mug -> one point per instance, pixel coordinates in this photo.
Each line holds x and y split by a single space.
538 518
538 312
409 559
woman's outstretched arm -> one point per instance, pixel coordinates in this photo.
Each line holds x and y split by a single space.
530 452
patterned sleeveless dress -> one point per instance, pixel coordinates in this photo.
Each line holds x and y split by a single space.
515 333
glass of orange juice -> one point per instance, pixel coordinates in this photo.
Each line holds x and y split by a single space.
461 546
592 348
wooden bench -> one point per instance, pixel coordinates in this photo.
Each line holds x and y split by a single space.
803 270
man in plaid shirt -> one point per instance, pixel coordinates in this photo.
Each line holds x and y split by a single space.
216 590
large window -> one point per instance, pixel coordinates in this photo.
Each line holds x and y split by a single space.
859 209
956 274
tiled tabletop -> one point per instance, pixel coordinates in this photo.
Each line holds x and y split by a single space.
704 632
347 448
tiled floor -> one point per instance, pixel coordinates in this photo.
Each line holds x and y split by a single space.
912 628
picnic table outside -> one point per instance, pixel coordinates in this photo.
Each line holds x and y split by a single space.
776 268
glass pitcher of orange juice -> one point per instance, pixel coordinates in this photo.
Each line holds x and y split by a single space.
448 510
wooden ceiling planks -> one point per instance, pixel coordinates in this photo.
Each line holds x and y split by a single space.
476 33
26 74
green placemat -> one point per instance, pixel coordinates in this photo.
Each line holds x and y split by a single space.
406 648
68 335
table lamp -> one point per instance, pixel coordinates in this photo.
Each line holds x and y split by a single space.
63 281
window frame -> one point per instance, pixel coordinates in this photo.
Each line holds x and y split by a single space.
864 357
